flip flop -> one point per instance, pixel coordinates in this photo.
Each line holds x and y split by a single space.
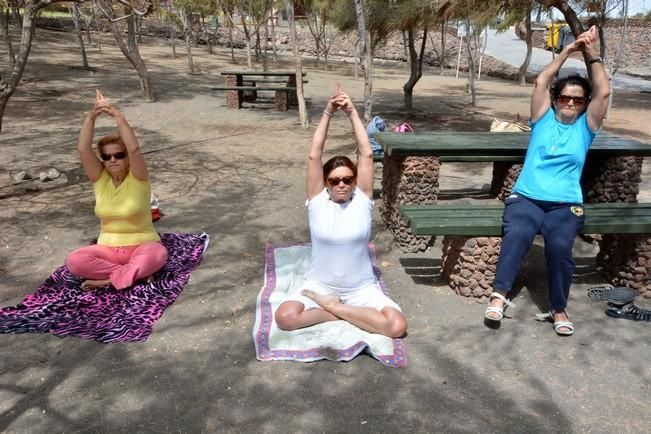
629 311
619 295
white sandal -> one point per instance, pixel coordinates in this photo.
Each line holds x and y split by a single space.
558 325
498 310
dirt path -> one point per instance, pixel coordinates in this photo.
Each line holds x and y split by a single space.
239 175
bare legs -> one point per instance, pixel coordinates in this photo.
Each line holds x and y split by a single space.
292 315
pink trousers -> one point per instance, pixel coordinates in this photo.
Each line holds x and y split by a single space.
121 265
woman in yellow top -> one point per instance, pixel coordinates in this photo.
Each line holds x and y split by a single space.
128 248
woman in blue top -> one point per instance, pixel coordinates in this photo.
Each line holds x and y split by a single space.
547 197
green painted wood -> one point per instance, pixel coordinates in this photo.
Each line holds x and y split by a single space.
470 158
486 144
486 220
261 73
255 88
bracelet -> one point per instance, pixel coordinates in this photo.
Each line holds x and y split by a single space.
596 60
328 114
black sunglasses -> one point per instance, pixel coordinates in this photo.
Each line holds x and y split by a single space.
118 156
346 180
578 100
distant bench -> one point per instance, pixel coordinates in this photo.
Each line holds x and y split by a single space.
243 86
472 239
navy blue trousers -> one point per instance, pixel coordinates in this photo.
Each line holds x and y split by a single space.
558 223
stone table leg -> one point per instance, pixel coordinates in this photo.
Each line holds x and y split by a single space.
469 264
292 97
282 100
233 97
612 179
408 180
626 261
505 174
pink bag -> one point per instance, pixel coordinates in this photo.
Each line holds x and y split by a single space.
403 128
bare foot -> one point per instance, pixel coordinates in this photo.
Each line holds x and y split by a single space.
90 285
325 301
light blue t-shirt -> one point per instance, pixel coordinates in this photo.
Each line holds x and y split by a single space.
554 161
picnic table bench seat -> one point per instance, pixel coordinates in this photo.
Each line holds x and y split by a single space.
472 238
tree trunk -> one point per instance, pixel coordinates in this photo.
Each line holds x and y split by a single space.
74 11
470 38
9 83
139 29
4 24
443 34
415 65
265 61
273 35
522 73
406 45
571 19
302 110
170 18
99 30
131 52
187 30
247 37
367 60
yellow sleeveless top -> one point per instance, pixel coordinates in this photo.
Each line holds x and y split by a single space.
124 211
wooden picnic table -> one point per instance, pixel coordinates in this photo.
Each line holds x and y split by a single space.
412 161
283 83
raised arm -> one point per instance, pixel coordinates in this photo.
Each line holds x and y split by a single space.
365 157
137 164
600 84
89 161
540 98
314 160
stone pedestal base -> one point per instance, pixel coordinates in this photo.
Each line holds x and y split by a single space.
408 180
626 261
613 179
469 264
281 101
504 176
233 97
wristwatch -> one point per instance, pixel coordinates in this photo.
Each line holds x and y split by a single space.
596 60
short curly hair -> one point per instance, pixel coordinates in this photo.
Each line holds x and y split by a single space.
110 140
571 80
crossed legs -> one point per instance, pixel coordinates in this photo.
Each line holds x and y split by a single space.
292 315
119 266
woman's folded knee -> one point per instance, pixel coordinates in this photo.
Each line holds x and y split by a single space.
397 327
285 318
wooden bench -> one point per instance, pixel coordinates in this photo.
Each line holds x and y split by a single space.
472 238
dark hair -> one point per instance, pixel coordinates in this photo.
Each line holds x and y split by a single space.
571 80
338 161
109 140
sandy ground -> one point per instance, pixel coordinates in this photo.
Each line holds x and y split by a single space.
239 175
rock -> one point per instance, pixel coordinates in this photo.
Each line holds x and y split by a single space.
20 176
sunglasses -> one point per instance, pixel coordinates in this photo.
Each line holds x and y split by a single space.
118 156
346 180
578 100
